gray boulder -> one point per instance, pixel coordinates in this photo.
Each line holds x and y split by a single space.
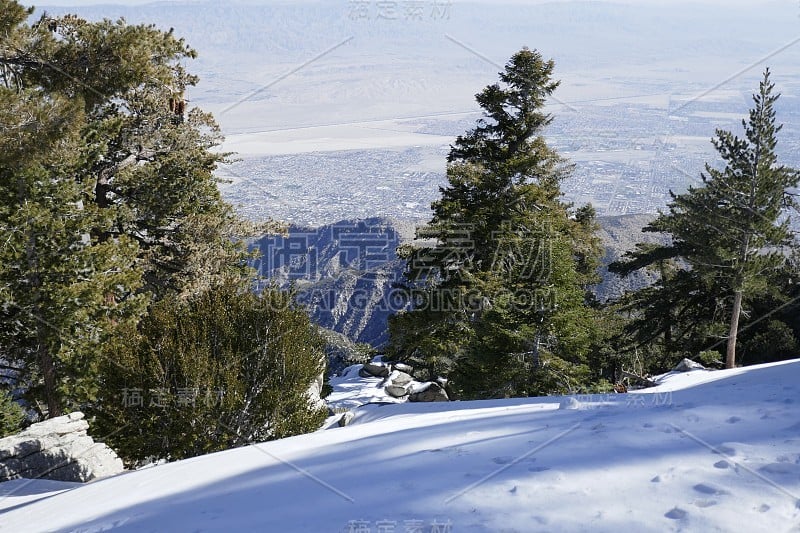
687 365
375 369
345 419
398 384
57 449
402 367
399 378
314 392
429 392
397 391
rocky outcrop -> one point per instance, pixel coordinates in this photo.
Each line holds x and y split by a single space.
402 367
400 378
57 449
314 392
344 273
345 419
398 382
375 369
429 392
687 365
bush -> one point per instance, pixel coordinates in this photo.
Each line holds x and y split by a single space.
225 369
11 415
710 359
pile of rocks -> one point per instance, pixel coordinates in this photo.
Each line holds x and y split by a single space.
58 449
399 382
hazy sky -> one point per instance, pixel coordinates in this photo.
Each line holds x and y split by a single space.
43 3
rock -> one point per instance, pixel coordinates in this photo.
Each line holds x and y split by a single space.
398 384
397 391
429 392
57 449
687 365
376 369
399 378
345 419
314 392
402 367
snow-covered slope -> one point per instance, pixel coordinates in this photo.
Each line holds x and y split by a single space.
706 451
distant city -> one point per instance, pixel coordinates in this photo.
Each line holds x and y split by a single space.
627 158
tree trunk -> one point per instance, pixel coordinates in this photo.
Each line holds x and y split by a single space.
49 375
45 359
730 358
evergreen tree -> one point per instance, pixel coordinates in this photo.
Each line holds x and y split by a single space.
503 271
732 233
63 292
107 197
670 320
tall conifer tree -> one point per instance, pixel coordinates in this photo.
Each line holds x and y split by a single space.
107 197
734 231
505 268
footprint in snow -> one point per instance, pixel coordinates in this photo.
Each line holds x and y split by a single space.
704 488
725 450
733 420
722 464
763 508
656 479
676 514
781 468
538 468
705 503
503 460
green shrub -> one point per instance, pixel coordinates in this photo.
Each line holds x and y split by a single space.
11 415
224 369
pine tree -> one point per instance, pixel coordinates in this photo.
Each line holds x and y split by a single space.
63 292
732 232
148 158
506 265
107 197
670 320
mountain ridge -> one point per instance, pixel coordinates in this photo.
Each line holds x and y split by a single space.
346 273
